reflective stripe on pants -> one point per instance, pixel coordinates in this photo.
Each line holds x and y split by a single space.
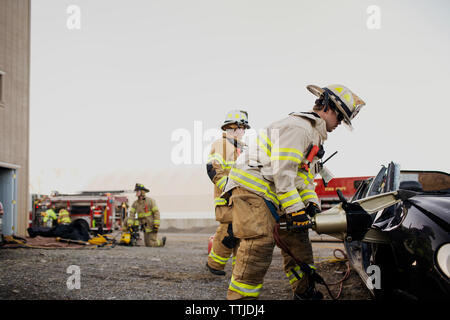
220 254
245 290
296 274
220 201
217 258
301 248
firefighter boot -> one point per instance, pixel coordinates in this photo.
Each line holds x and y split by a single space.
311 293
214 271
219 254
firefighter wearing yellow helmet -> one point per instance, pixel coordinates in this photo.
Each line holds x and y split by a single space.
224 152
274 182
148 215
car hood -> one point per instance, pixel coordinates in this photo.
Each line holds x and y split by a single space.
436 207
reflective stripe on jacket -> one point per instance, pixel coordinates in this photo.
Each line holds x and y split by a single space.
146 208
222 157
64 216
272 165
49 214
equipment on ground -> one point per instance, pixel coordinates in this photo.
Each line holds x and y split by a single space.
102 240
130 237
72 241
77 230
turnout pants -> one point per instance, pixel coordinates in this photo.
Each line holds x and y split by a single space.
151 239
220 254
300 247
253 224
150 236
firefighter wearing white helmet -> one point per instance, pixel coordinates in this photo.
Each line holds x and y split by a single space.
272 183
345 101
224 152
238 117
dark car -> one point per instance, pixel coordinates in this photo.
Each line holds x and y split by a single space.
405 253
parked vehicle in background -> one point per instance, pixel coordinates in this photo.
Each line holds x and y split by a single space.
102 210
327 193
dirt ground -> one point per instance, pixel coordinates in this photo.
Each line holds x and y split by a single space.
175 272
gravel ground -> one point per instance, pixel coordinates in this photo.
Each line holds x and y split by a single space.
175 272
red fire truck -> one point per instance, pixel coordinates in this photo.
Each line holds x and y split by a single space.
327 194
102 210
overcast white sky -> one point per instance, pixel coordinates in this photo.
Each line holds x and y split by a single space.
107 97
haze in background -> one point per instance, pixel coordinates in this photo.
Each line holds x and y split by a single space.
107 98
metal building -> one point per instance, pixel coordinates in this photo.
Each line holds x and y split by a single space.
14 113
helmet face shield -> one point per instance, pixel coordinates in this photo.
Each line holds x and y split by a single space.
348 125
356 111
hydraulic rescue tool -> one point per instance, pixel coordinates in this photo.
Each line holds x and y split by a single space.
346 220
351 220
130 237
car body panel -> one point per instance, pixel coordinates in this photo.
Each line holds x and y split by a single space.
404 238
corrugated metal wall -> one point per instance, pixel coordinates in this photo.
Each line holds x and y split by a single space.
14 108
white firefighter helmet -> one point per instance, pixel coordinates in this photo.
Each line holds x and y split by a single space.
239 117
347 102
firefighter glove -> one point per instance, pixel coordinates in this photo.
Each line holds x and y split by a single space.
230 240
297 221
312 209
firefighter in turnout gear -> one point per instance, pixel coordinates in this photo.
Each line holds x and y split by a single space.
128 222
224 152
148 216
273 181
49 217
64 217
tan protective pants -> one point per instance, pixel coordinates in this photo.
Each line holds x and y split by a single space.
151 239
220 254
150 236
253 224
300 247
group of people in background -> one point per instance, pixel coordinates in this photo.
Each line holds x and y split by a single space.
50 218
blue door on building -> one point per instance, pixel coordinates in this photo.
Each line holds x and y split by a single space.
8 197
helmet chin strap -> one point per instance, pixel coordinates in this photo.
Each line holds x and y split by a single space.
326 100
